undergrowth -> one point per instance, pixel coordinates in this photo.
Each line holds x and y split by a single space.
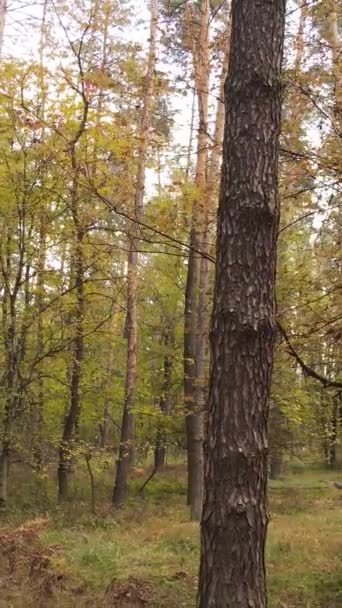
147 554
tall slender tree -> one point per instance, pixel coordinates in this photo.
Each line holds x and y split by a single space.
234 520
194 415
3 11
127 425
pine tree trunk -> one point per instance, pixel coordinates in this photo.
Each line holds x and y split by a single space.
194 416
202 317
234 520
127 426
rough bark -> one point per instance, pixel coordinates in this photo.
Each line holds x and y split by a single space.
127 425
234 520
194 416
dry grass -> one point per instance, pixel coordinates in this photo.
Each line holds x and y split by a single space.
147 556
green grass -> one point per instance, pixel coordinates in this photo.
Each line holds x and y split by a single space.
153 544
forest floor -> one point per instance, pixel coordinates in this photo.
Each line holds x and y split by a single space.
147 555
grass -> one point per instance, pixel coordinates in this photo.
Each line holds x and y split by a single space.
151 550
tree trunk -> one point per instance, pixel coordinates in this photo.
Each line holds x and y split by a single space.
202 318
194 412
37 414
4 464
11 404
103 427
127 426
275 466
164 402
72 415
234 520
3 11
12 348
333 431
331 9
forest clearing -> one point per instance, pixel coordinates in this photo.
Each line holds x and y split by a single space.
148 554
170 303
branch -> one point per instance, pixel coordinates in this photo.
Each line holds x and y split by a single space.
307 371
148 227
148 480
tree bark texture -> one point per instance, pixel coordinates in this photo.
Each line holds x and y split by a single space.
127 426
234 520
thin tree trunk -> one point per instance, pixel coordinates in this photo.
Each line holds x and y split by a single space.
103 426
127 426
164 402
10 406
234 520
8 322
202 320
333 431
11 387
40 290
72 415
4 465
331 9
292 172
333 13
276 465
92 483
12 347
191 135
39 406
3 11
194 412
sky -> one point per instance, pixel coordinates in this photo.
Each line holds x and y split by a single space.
21 40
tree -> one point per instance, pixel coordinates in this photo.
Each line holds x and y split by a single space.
194 417
3 11
127 428
243 329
